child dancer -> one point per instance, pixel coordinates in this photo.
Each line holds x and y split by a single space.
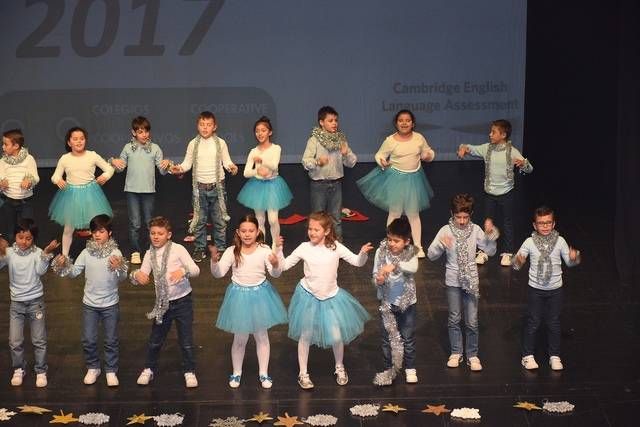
320 312
172 267
544 295
324 157
394 265
27 263
79 197
399 184
140 156
459 240
251 305
18 176
499 159
265 191
104 267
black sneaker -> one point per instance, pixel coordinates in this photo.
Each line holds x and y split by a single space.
199 255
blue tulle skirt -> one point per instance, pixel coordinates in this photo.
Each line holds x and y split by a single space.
76 205
391 189
265 194
329 321
247 309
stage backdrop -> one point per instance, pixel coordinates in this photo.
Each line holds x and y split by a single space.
98 63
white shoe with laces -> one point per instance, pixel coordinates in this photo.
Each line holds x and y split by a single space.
529 362
481 257
420 253
304 381
135 258
112 379
190 380
410 376
145 377
556 363
91 376
341 375
18 375
454 360
41 380
474 364
505 259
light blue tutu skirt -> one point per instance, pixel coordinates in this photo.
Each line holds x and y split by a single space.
247 309
326 322
265 194
391 189
76 205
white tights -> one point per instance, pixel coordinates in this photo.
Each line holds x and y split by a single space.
67 238
303 353
274 225
414 222
262 349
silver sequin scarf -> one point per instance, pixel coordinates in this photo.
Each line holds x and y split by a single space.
385 256
466 278
18 158
134 145
545 245
332 141
160 282
487 162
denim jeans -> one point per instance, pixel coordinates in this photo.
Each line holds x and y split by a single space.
460 300
504 204
34 312
407 326
91 318
12 211
326 195
209 208
542 306
180 310
140 210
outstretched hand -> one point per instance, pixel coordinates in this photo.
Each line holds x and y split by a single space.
366 247
462 151
141 277
447 241
52 246
115 262
574 254
273 259
213 251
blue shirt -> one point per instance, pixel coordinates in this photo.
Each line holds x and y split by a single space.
141 174
101 283
559 253
25 272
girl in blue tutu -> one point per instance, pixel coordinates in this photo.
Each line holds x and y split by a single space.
251 305
266 191
399 184
79 197
320 312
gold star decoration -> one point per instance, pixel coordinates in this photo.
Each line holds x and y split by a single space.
63 418
138 419
527 405
435 409
392 408
261 417
28 409
287 421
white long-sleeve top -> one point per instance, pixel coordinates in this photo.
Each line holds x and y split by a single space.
252 268
207 158
178 258
321 266
404 156
80 170
270 159
25 271
559 253
14 174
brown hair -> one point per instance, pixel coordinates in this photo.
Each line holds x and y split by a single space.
462 203
503 125
543 211
326 222
160 221
237 243
15 136
207 115
140 122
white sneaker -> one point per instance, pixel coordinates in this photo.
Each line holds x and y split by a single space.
145 377
556 363
420 253
454 360
265 381
341 375
410 376
41 380
234 380
505 259
304 381
529 362
135 258
112 379
481 257
17 377
92 376
474 364
190 380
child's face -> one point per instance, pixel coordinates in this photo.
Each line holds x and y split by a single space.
404 124
263 134
316 232
544 225
9 148
497 135
77 141
248 233
159 236
329 123
101 235
461 219
24 240
206 127
396 243
141 135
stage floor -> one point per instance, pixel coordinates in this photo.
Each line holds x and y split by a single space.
601 323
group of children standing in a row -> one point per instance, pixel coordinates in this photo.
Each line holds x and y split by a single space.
320 312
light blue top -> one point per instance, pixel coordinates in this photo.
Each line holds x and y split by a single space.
559 253
24 273
101 283
332 170
141 174
500 182
397 281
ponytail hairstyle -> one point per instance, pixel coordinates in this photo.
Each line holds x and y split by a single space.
326 222
237 243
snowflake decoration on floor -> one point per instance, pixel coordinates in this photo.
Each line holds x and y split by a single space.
558 407
94 418
366 410
466 413
169 420
227 422
5 414
323 420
